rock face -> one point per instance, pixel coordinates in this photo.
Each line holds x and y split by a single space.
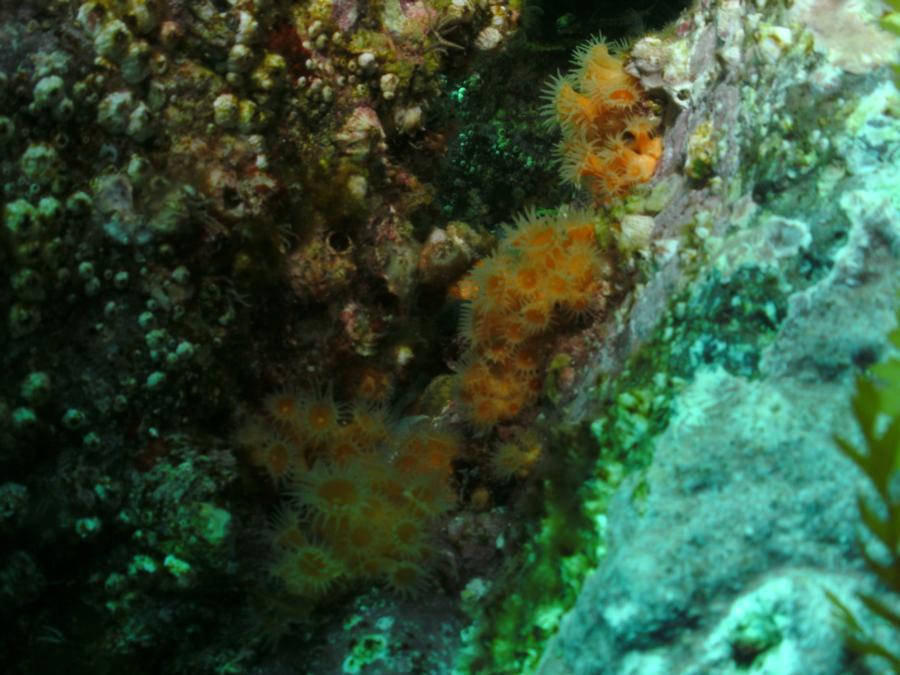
719 553
749 508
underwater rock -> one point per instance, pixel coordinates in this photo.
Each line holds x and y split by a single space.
721 550
742 483
209 205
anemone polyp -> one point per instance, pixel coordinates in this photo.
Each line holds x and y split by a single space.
344 446
580 229
369 425
307 570
438 450
515 458
557 287
484 412
277 456
526 360
374 385
432 497
331 491
362 490
360 539
408 534
603 112
527 278
283 406
285 530
496 349
562 101
508 461
319 416
536 317
406 578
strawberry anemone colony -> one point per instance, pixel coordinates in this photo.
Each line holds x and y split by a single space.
609 142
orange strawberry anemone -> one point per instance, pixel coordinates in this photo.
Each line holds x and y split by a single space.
609 141
550 267
362 490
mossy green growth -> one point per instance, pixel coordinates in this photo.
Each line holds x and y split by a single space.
568 543
876 406
499 156
726 321
891 23
512 627
367 651
631 417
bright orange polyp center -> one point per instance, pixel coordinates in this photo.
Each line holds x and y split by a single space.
321 417
279 458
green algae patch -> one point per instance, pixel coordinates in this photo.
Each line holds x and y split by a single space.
367 651
509 633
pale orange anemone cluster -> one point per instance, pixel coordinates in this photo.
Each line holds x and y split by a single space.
516 457
363 491
609 141
546 270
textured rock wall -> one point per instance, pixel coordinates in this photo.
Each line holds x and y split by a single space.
781 162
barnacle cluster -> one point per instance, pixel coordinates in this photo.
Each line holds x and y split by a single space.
363 491
608 130
546 270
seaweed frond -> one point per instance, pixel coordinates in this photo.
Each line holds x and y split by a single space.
876 406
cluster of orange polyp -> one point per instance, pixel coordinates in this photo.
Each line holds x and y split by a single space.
547 270
363 491
609 143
